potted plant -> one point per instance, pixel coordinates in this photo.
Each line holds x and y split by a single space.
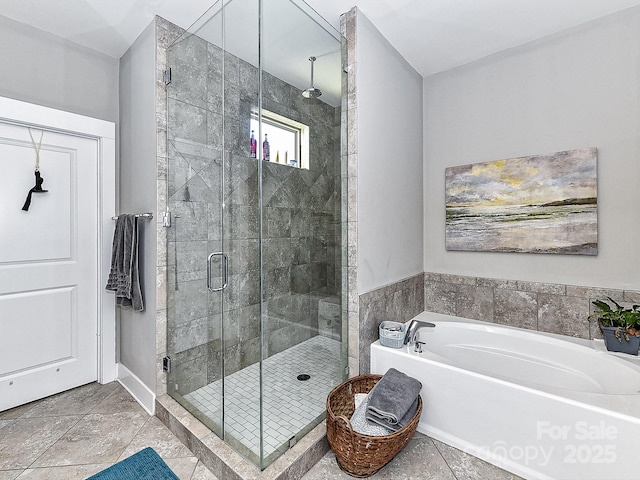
620 326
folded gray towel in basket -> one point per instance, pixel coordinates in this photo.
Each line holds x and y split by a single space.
360 424
372 418
393 400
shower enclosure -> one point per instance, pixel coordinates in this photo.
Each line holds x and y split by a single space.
256 331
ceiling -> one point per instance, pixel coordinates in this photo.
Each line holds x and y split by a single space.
433 35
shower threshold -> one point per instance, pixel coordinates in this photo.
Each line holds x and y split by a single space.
290 407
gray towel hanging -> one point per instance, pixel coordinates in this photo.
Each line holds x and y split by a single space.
124 276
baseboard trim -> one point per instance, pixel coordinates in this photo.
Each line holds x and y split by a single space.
138 390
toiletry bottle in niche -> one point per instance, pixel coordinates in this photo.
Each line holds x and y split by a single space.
254 146
266 155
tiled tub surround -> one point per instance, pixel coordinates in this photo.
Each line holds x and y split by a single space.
301 227
546 307
399 302
289 405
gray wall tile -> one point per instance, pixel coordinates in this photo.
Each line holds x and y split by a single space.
631 296
516 308
457 279
538 287
554 308
475 302
440 297
564 315
187 122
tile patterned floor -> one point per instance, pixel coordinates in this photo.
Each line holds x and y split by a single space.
80 432
422 459
289 404
75 434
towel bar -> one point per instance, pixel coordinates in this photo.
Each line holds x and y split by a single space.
137 215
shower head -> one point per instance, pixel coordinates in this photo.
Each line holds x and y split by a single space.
311 92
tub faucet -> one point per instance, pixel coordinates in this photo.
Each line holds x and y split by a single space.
412 330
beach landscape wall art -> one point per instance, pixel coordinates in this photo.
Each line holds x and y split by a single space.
534 204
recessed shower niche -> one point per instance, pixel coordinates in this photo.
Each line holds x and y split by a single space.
256 282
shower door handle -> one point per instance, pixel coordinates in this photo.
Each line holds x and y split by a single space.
225 271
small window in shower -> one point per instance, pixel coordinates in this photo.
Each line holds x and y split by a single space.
288 140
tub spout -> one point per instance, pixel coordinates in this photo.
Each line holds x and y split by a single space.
412 331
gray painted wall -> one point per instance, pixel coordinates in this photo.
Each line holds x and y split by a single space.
44 69
138 193
390 211
572 90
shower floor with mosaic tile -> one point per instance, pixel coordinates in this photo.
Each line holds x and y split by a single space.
289 405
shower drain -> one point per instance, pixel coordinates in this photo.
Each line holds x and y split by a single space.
303 376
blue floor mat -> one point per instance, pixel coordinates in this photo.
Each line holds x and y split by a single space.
144 465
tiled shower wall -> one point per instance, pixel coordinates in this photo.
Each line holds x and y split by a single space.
350 182
301 215
546 307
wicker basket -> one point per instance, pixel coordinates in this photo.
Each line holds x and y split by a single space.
357 454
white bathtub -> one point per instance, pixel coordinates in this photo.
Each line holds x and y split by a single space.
542 406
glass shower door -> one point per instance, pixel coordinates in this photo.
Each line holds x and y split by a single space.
214 306
196 264
241 232
301 211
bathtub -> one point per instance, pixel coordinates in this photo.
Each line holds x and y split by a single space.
541 406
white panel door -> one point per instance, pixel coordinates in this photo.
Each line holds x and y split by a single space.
48 265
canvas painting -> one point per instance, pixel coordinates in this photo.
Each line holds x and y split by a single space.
535 204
